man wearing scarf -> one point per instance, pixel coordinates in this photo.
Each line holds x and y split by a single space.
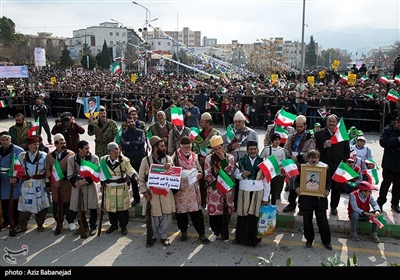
162 200
115 190
187 199
7 151
19 131
253 192
216 201
61 154
33 198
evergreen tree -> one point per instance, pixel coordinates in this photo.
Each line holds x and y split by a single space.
104 59
311 54
65 60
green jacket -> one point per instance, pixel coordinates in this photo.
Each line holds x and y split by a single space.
24 134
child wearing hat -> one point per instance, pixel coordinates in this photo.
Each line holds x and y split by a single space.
359 206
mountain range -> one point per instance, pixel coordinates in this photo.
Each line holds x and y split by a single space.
355 38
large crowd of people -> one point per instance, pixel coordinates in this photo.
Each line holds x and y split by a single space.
226 166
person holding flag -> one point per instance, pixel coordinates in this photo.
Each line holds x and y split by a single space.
161 127
86 184
253 192
359 206
235 140
296 148
33 186
219 168
115 168
61 155
132 142
332 142
201 146
314 204
284 118
7 152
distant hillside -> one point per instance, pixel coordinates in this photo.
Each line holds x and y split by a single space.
355 38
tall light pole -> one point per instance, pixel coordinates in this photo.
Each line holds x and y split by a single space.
302 38
122 46
148 15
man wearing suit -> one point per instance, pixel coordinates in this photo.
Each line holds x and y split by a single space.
332 154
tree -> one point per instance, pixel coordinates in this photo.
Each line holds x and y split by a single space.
65 60
104 59
92 61
267 58
311 54
12 45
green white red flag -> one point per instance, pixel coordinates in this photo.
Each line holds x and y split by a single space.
35 127
285 118
372 219
224 182
384 79
290 167
104 171
270 167
3 104
211 103
177 116
323 112
115 68
393 95
344 173
340 133
194 131
118 135
149 135
89 169
363 78
343 78
372 175
56 172
397 79
16 169
229 133
282 132
203 151
371 160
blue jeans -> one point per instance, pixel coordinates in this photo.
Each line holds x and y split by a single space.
355 217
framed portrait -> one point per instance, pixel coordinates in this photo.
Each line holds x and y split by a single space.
312 180
91 106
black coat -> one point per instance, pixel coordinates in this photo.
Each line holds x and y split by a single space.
391 148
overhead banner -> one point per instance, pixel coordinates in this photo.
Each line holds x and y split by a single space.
14 72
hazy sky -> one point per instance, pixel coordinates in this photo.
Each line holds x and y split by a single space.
245 21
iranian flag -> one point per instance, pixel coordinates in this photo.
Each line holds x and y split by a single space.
371 160
35 127
56 172
229 133
149 135
118 85
3 104
224 182
323 112
392 95
104 171
282 132
384 79
340 133
270 167
363 78
290 167
226 77
194 131
224 90
117 136
285 118
89 169
397 79
372 175
115 68
344 78
126 106
16 169
372 219
211 103
177 116
203 151
344 173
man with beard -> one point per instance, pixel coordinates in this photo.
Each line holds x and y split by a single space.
7 152
69 129
175 137
132 142
201 146
132 111
296 148
161 128
90 197
61 154
33 198
104 130
19 131
332 155
162 205
115 190
216 201
253 193
187 199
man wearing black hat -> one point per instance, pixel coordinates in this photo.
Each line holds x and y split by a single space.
7 152
253 192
